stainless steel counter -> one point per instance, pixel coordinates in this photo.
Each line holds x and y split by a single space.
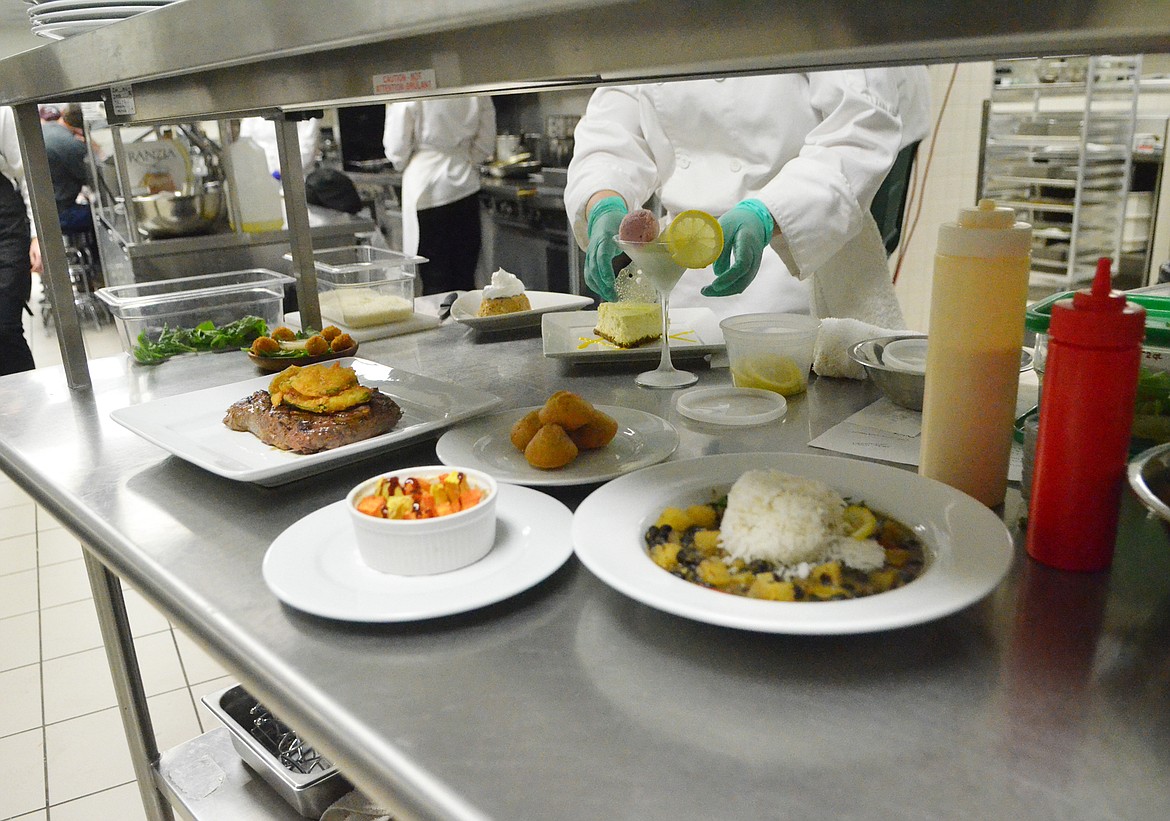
1049 699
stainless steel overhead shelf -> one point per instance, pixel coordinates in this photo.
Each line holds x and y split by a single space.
205 57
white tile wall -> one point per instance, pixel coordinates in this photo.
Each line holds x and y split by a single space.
945 179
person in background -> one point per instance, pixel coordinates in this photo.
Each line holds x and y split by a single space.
264 133
439 145
66 150
19 252
788 163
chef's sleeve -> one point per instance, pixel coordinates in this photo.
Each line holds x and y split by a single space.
398 133
609 152
483 145
820 197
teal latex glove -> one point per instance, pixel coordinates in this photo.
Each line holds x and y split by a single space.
604 222
746 230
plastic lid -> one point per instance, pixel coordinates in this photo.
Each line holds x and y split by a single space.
987 215
987 231
1099 315
728 405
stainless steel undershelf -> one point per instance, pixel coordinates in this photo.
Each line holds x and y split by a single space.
323 223
206 780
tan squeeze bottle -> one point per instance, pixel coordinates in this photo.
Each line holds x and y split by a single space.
978 297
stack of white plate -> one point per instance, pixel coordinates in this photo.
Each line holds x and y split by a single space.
58 19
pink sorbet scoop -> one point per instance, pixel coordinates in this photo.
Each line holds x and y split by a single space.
639 226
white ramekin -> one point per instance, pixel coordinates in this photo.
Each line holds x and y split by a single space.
419 547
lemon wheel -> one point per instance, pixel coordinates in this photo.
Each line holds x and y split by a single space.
694 239
861 521
779 374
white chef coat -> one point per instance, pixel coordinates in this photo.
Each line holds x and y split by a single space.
11 162
813 147
438 145
264 133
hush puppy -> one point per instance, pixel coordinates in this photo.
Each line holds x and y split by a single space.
550 448
566 409
596 433
525 428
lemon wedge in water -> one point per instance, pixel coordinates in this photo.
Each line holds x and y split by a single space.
778 374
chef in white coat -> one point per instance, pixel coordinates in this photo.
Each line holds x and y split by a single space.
789 163
439 145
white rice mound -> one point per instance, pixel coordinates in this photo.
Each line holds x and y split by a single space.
789 520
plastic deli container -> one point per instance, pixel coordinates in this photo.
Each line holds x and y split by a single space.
361 286
1151 422
150 307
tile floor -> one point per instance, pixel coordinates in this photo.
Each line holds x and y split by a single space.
62 748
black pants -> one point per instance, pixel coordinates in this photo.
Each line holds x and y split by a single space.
15 280
448 236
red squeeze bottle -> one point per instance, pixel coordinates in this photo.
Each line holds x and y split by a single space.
1086 414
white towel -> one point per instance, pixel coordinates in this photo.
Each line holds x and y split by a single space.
836 337
354 806
856 283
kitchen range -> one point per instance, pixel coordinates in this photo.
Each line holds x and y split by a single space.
530 231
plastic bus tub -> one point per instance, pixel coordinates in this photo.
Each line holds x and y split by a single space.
361 286
149 307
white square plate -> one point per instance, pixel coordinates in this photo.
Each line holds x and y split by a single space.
693 332
543 302
191 426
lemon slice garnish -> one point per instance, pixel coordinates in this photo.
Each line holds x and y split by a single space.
860 520
694 239
779 374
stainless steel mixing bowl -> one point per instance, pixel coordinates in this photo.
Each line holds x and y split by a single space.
903 387
169 214
1149 476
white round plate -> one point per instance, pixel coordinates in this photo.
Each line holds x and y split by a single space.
970 549
106 14
96 5
314 565
484 443
728 405
60 31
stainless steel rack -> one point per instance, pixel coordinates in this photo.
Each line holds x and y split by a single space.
276 58
1058 147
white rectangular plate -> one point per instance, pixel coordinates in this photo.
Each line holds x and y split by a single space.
543 302
191 426
693 332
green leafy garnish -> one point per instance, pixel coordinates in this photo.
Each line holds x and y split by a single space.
205 336
1151 419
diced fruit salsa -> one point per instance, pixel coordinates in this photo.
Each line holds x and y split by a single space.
413 498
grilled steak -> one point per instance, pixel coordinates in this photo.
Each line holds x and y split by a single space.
301 431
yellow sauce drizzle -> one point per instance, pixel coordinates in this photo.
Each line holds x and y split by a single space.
584 342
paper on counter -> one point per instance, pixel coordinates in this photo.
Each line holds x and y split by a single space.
891 433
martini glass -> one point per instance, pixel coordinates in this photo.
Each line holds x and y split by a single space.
654 261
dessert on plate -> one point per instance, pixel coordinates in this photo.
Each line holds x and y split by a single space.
628 324
505 295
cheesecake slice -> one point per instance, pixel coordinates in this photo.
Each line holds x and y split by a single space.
628 324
